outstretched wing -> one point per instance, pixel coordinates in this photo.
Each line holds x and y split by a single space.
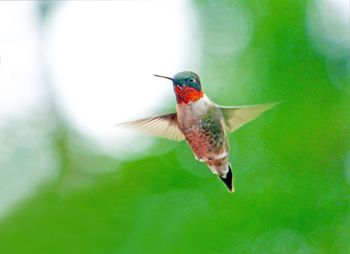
164 126
237 116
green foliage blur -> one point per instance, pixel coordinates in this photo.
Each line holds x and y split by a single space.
290 166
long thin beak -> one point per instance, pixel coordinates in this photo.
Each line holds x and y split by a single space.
160 76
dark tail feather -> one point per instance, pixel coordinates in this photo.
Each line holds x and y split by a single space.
228 179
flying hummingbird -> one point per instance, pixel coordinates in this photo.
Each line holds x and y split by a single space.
202 123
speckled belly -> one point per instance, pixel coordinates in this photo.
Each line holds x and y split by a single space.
207 137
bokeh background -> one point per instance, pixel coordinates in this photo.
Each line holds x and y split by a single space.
72 182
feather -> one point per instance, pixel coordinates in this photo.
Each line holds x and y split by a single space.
237 116
164 126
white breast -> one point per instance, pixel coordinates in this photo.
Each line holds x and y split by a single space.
192 112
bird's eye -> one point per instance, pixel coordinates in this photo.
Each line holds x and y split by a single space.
192 80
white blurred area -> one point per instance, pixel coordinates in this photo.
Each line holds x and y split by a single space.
329 26
26 155
102 57
95 60
21 83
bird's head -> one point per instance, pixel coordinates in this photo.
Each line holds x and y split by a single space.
187 86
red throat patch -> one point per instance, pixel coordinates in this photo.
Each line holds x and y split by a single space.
186 94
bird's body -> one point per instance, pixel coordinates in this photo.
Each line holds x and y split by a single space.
202 123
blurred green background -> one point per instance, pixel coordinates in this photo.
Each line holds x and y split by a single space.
291 166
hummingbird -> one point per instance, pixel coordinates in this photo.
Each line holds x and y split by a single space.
202 123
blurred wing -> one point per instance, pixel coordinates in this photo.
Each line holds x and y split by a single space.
237 116
164 126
